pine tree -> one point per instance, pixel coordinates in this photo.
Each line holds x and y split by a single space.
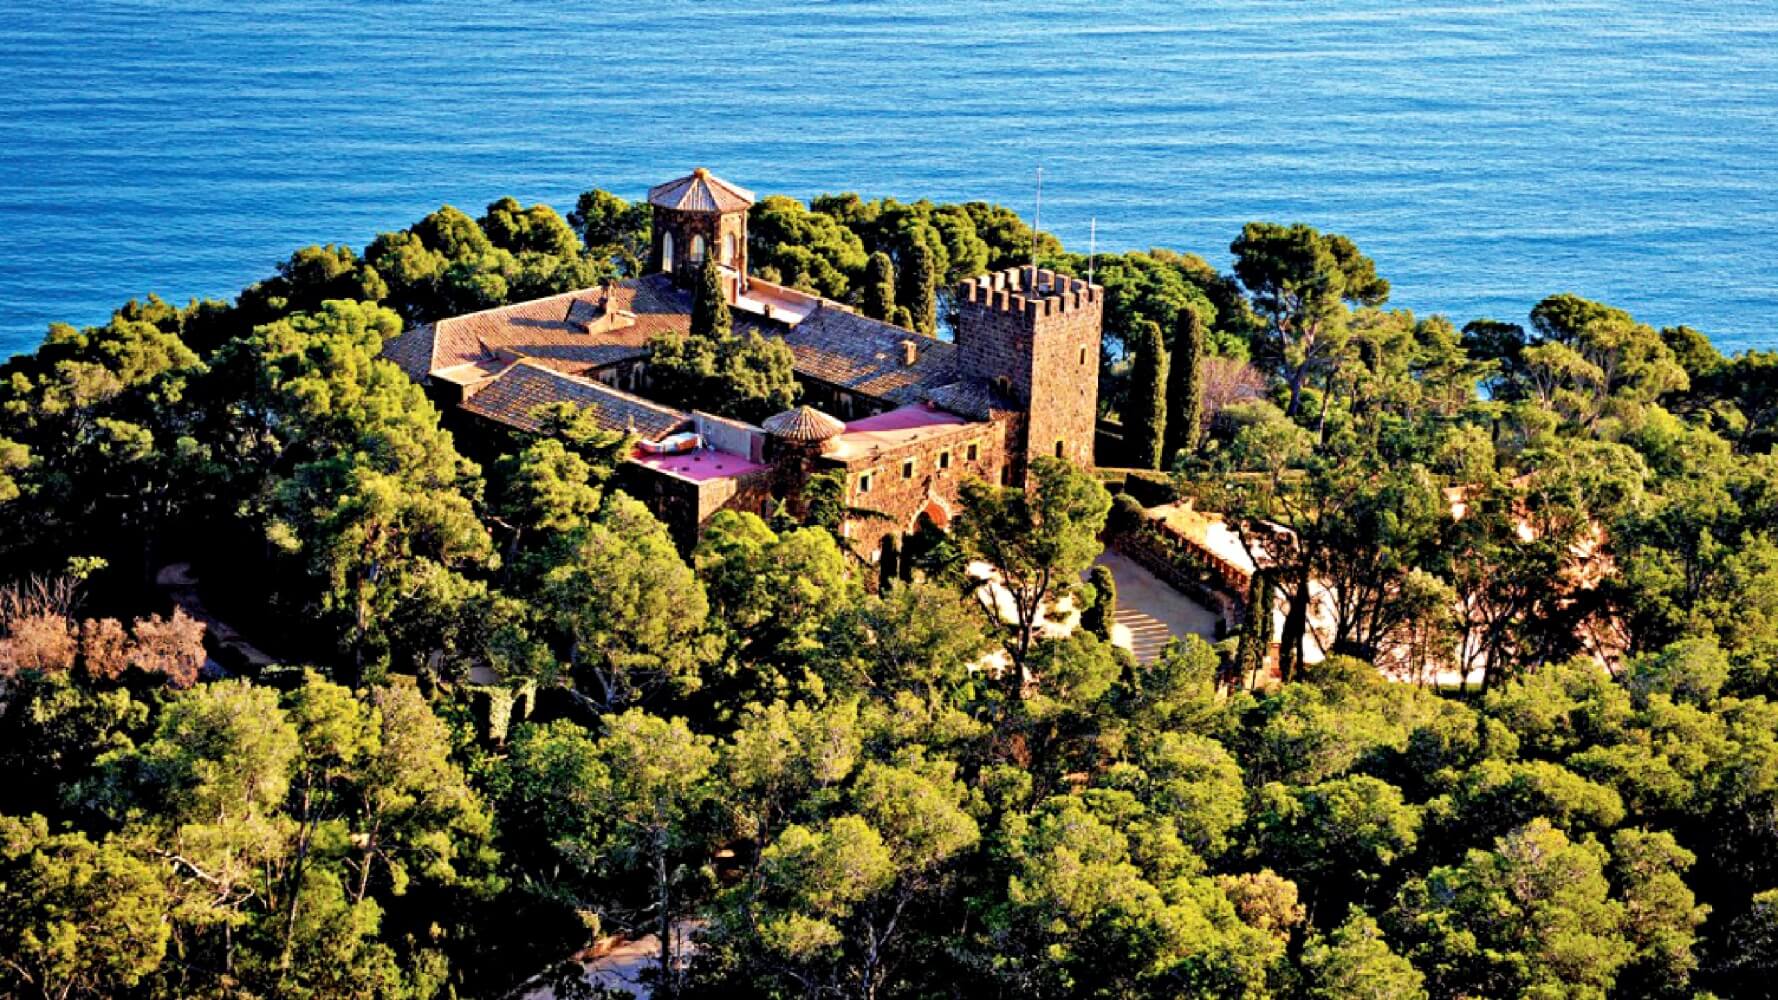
709 306
1145 412
1185 387
919 288
879 288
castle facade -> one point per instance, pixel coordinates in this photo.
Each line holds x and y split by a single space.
904 418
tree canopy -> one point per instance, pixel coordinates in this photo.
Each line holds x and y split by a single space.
1497 715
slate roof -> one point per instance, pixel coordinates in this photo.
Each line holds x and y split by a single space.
701 191
512 397
864 355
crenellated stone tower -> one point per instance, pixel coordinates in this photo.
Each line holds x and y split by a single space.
697 215
1034 335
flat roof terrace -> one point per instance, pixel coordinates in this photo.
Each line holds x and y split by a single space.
894 429
699 466
786 305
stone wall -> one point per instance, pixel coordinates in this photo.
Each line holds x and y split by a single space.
685 506
1065 392
734 437
904 499
842 403
629 375
686 226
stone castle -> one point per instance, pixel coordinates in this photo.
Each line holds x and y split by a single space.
905 418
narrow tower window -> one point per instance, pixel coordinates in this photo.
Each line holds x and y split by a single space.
1061 448
697 249
666 251
728 249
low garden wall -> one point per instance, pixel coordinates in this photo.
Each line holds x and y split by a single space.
1183 564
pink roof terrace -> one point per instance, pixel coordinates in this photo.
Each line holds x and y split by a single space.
900 426
698 466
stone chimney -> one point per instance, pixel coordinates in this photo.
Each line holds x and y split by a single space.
910 353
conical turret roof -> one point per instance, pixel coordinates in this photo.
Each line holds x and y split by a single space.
805 423
701 191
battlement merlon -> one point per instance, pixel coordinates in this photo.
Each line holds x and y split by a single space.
1014 291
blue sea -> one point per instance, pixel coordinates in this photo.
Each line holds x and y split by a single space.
1486 154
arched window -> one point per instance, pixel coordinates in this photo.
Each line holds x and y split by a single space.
666 251
728 249
697 249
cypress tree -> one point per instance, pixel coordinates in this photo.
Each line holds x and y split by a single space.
1256 631
709 307
1098 616
1185 387
1145 412
879 288
919 288
888 564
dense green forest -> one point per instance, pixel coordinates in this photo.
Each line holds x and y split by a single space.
757 743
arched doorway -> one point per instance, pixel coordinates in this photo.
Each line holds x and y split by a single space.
937 511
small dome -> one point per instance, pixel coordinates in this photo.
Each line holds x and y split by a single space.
805 423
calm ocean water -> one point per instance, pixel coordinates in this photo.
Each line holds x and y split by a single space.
1485 153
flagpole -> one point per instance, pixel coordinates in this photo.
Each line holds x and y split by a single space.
1092 247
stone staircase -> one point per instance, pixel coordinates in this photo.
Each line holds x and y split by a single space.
1147 635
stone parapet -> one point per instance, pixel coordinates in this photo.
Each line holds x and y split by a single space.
1188 566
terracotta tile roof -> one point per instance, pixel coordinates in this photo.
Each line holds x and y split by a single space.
586 329
976 398
805 423
411 351
865 355
701 191
573 331
513 396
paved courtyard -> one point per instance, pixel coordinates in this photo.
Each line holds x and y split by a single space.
1149 612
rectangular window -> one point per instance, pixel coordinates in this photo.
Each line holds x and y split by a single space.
907 469
1083 355
1061 447
864 483
944 460
973 452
